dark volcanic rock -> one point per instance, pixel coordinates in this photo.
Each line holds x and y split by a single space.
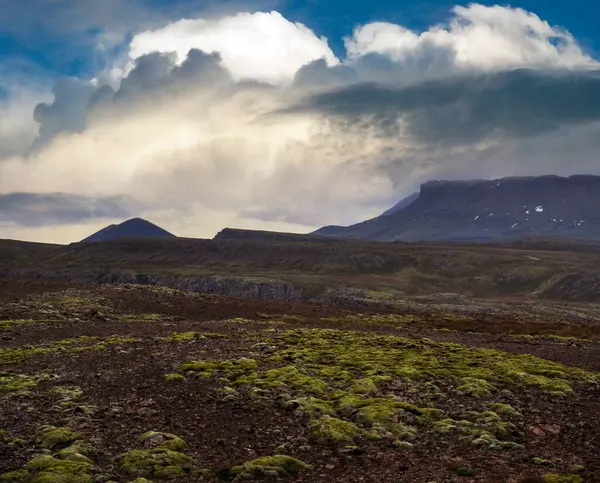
134 228
486 210
237 234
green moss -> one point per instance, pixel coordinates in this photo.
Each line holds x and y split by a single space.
184 337
173 377
54 438
163 440
555 478
310 405
156 462
14 476
478 369
541 462
18 355
143 318
485 429
291 376
68 393
78 447
119 339
232 370
331 376
192 336
368 385
268 466
405 445
476 387
47 469
163 460
11 382
4 324
330 430
504 410
386 418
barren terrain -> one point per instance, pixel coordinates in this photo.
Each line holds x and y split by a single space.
121 382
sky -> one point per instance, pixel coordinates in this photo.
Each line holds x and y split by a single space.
279 114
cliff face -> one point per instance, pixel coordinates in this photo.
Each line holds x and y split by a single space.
482 210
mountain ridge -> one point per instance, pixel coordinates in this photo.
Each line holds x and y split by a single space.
488 210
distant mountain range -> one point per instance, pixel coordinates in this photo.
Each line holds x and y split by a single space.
488 210
503 209
134 228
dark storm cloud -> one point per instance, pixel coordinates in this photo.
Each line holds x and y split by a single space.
66 113
153 74
36 209
517 103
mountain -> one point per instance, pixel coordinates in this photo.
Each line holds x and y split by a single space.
488 210
403 203
134 228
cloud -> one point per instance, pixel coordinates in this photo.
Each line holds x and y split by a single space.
277 135
37 210
476 37
261 46
68 111
468 109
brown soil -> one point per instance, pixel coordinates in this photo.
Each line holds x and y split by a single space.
125 382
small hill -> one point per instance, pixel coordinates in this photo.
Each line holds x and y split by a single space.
134 228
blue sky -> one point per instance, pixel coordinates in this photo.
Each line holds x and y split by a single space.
65 45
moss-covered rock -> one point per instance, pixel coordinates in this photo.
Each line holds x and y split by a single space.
54 438
156 462
268 466
334 431
162 459
504 410
47 469
156 439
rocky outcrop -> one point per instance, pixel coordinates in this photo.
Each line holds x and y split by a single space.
254 288
237 234
489 210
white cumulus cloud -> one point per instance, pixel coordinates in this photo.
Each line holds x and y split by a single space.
263 46
476 37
